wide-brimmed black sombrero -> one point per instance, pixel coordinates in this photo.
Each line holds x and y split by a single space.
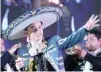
47 15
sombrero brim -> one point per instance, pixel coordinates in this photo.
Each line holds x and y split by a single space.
47 15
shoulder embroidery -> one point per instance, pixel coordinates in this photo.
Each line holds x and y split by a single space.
61 41
25 54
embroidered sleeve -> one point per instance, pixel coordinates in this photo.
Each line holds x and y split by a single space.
73 39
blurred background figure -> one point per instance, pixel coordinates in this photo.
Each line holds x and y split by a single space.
2 47
81 10
80 59
7 59
11 9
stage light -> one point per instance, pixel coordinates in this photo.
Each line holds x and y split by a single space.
5 20
61 5
55 1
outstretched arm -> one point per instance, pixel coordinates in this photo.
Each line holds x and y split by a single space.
78 36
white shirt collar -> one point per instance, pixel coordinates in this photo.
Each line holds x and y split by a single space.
94 53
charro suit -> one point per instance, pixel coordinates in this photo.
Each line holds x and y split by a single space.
55 46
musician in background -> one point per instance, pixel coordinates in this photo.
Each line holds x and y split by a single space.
15 8
7 59
90 59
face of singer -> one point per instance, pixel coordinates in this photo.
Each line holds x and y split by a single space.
35 31
93 43
2 48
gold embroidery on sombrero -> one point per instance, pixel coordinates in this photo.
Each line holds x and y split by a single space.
16 22
33 12
47 9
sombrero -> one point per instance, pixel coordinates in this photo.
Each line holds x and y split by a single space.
47 15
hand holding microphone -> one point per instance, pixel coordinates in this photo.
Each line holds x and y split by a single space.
19 63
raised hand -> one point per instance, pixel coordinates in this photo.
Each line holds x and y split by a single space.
80 52
19 63
91 22
14 48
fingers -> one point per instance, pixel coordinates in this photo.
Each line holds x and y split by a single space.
95 17
97 25
97 20
19 45
19 60
77 47
18 66
19 63
16 46
92 22
91 17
